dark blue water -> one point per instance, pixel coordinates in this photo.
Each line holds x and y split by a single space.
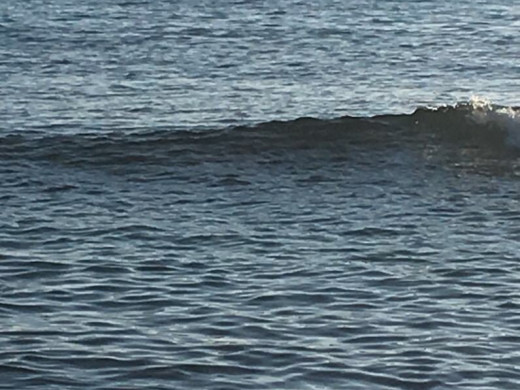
236 195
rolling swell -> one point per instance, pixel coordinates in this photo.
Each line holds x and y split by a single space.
467 126
346 253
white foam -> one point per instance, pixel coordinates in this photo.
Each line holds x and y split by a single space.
485 113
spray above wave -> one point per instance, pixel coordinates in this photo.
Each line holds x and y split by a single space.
477 124
505 119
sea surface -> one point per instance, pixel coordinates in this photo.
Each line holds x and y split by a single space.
259 194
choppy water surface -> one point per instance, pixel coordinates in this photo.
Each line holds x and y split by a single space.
110 65
164 225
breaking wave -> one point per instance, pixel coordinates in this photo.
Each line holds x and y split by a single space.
477 124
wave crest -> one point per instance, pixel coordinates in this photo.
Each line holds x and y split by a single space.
476 124
484 113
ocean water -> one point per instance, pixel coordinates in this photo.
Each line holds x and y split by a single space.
259 194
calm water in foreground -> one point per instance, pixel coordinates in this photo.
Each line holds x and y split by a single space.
173 217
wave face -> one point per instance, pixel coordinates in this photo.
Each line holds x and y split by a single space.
477 128
477 124
363 253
